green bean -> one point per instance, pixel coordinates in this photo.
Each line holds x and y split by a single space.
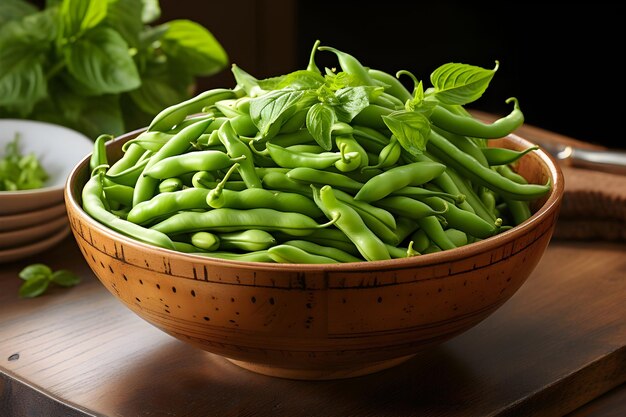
354 156
392 85
223 220
405 226
481 175
259 197
99 158
170 184
247 240
503 156
388 156
176 165
420 193
93 205
435 232
123 194
256 256
146 186
129 176
416 173
468 126
315 249
292 254
131 156
372 116
236 149
466 221
410 208
316 176
333 238
165 204
348 221
281 182
205 240
420 240
173 115
350 65
287 158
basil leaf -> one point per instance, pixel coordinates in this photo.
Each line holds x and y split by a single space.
33 32
125 17
352 100
65 278
101 63
410 128
460 83
194 46
22 82
79 15
278 105
14 10
34 287
34 271
319 122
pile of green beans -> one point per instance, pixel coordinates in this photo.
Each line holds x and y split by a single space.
344 165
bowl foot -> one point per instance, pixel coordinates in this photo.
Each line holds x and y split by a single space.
320 373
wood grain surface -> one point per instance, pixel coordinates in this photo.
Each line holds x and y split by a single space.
558 343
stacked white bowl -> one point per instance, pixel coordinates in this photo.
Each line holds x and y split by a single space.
32 221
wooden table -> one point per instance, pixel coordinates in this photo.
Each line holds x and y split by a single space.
557 344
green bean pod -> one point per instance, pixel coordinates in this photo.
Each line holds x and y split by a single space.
93 205
503 156
479 174
391 84
246 240
316 176
330 252
287 158
469 126
205 240
173 115
295 255
225 220
236 149
354 156
165 204
348 221
416 173
176 165
261 198
146 186
129 159
256 256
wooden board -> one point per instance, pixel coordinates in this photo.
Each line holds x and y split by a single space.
559 342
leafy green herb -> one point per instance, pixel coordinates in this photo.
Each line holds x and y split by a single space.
37 279
20 172
99 66
460 83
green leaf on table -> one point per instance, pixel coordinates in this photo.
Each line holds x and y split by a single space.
410 128
34 271
193 46
319 122
34 287
65 278
460 83
77 16
100 62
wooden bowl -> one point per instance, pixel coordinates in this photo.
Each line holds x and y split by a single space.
318 321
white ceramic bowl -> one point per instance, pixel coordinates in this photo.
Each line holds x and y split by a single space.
58 149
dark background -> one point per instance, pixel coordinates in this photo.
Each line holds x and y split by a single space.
564 62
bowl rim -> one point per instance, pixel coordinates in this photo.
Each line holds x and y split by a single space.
548 208
48 189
